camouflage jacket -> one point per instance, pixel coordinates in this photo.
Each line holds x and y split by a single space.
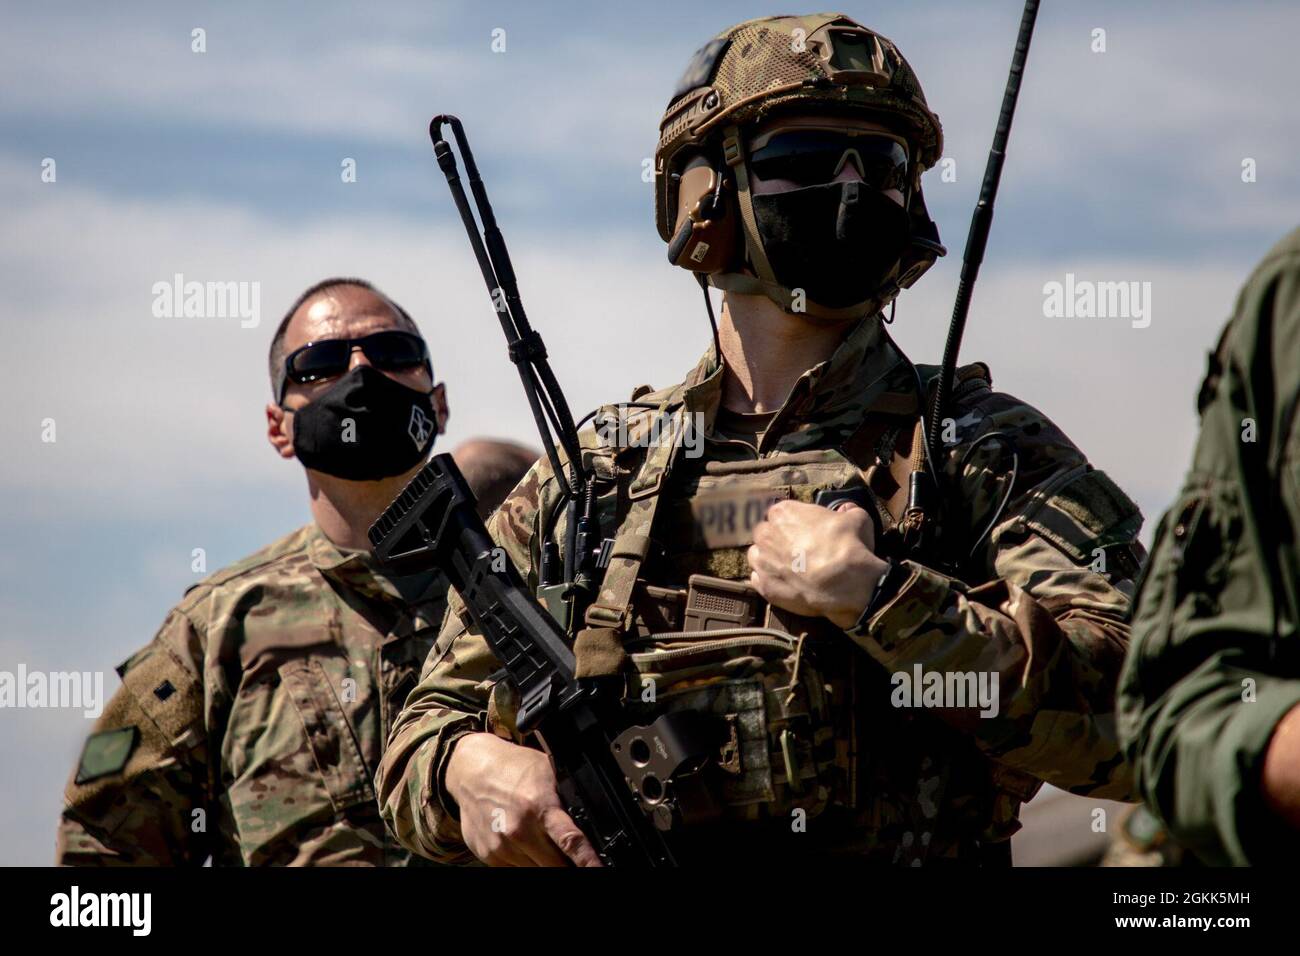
250 728
1215 661
941 786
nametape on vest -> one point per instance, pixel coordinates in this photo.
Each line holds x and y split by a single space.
727 519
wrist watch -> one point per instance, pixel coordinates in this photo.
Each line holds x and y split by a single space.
887 586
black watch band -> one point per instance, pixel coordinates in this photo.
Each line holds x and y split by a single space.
886 587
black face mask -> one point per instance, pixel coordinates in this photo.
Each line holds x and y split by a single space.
364 427
838 242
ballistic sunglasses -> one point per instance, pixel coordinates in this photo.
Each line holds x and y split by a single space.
388 351
810 157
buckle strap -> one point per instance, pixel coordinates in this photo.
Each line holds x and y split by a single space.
613 605
733 150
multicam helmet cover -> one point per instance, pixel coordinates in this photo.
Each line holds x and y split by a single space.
820 64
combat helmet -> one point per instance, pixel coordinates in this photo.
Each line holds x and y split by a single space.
819 65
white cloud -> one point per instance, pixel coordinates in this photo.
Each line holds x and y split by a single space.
1125 395
375 81
150 410
154 409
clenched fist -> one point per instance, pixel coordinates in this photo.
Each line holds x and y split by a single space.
815 561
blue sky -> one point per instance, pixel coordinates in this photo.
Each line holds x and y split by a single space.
224 166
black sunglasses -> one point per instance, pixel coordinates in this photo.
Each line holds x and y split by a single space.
813 157
388 351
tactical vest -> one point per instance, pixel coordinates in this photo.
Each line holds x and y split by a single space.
791 697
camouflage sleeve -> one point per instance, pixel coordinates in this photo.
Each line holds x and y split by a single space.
1048 624
1209 677
451 700
143 770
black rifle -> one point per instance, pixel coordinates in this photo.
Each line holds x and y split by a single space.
620 782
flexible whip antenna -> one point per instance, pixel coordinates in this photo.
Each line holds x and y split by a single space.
980 224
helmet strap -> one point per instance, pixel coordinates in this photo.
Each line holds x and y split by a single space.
765 282
733 153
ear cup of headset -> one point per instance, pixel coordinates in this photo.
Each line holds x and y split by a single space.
924 245
706 235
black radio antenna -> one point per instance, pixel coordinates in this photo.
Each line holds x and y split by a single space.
549 406
980 223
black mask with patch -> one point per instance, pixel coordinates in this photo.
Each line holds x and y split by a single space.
365 427
838 242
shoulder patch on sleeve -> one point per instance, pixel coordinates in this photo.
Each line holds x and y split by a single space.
168 693
1089 512
106 753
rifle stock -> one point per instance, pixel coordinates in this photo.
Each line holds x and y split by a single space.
433 524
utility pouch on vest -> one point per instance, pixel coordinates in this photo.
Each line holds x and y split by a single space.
713 603
770 705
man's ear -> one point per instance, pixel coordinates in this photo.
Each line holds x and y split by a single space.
440 410
279 430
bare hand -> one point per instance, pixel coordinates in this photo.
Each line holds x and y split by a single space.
510 814
816 562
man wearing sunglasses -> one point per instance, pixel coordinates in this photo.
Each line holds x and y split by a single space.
882 695
249 729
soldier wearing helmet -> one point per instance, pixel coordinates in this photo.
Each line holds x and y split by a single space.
862 689
789 164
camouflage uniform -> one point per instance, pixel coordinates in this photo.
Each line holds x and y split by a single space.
884 783
1214 665
260 709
